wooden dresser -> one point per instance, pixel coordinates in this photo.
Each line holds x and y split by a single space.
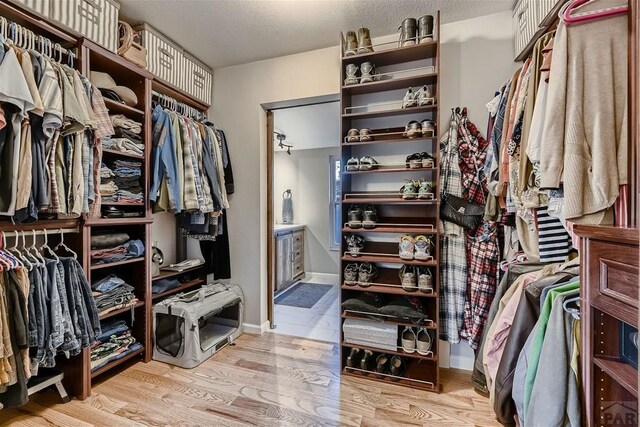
609 296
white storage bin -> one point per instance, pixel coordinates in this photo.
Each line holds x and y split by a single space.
198 79
96 20
39 7
371 333
164 58
527 17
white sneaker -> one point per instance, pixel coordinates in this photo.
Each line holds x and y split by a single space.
408 340
424 96
409 99
423 341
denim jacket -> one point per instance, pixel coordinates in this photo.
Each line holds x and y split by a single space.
165 163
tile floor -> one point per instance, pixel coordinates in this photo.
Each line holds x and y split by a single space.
320 322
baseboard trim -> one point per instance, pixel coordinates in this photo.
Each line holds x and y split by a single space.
328 276
252 328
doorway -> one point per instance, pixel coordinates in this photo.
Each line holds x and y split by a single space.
303 207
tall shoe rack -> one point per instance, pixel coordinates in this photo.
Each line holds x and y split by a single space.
406 68
78 376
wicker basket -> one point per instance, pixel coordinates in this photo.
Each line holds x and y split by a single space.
129 48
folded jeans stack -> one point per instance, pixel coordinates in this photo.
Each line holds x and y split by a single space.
113 293
123 184
113 347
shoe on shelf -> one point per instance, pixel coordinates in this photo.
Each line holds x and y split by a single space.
364 41
422 248
366 363
353 164
367 71
396 368
369 217
354 217
353 135
406 247
425 280
408 30
423 341
354 357
368 163
428 161
355 244
408 278
425 191
365 135
351 274
424 96
382 365
367 274
409 190
413 130
414 161
350 44
351 71
409 99
408 340
427 128
425 29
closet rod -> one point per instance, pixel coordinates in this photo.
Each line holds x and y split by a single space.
42 232
179 107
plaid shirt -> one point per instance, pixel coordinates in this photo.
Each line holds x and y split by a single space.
104 129
191 200
482 250
453 261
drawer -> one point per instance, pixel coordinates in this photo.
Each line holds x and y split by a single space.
298 269
298 238
197 79
613 278
96 20
165 59
298 255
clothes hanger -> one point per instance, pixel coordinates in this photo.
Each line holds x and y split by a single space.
37 255
19 254
5 262
590 16
575 312
25 250
15 261
65 247
46 245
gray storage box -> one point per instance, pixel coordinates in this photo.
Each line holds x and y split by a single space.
371 333
190 327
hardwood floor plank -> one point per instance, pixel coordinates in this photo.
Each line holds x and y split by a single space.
267 380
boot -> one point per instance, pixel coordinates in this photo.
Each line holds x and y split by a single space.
350 44
364 41
408 32
425 29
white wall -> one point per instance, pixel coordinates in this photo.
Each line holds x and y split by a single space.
476 58
309 126
306 173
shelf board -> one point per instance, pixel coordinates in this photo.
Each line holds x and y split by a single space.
378 140
180 288
401 382
118 263
396 55
120 153
121 204
115 363
389 260
347 315
117 107
400 225
53 224
620 372
391 84
121 310
382 169
118 221
391 112
399 352
165 274
384 199
42 26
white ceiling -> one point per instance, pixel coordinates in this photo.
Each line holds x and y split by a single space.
222 33
308 127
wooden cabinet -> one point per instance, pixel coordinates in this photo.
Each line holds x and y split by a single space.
609 280
289 258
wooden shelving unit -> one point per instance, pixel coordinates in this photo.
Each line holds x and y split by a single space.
397 216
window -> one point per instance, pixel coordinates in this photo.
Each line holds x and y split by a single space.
335 209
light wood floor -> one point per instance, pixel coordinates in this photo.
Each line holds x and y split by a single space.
263 380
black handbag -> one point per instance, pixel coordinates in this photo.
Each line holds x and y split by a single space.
461 212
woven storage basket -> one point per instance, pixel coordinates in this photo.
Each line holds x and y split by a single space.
371 333
129 48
